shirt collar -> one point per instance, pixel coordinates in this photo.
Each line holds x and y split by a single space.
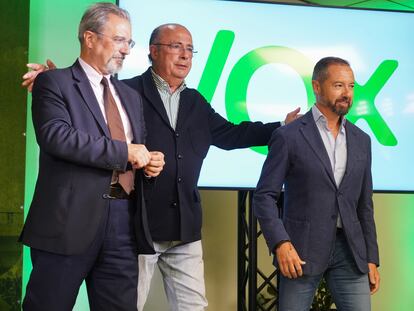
163 85
320 118
94 77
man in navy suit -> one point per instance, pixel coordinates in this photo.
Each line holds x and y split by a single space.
327 225
90 130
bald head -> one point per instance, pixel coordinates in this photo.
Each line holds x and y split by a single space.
171 53
157 33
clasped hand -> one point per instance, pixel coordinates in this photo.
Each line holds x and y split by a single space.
151 161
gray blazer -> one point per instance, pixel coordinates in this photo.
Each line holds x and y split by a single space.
298 160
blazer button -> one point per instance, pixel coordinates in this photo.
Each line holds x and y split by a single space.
179 179
179 156
177 134
174 204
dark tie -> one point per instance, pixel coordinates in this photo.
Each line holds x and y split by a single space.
116 128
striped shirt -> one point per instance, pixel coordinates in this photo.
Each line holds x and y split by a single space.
170 100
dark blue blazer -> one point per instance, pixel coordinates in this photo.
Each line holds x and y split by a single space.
173 203
77 157
298 159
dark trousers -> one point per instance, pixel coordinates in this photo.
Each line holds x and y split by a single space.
109 268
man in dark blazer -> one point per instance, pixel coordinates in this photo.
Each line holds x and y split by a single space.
182 125
80 223
327 225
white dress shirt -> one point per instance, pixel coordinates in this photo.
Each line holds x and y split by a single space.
95 80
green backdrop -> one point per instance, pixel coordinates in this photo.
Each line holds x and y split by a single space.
14 18
53 34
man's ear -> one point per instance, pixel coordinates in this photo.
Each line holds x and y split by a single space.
89 38
316 87
153 51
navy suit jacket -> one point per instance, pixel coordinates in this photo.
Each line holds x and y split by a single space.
173 203
298 159
77 157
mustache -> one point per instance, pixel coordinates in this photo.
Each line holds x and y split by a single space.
345 99
118 55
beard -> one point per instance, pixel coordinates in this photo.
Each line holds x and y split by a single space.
338 106
114 65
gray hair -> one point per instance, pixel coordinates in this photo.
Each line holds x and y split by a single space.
320 71
96 16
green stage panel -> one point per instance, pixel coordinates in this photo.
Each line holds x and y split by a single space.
394 216
53 34
404 5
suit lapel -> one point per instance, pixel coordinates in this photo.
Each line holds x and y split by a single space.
312 136
88 96
351 149
186 104
128 101
153 97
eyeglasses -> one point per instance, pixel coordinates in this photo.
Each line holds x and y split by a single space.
120 41
176 48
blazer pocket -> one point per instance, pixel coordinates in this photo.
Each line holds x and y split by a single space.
298 231
200 141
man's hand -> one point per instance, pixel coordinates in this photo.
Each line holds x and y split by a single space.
156 164
35 69
374 278
289 262
138 155
293 115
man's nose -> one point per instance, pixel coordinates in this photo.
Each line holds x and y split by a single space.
184 54
348 91
125 49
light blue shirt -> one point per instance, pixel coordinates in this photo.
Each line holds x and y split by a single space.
336 148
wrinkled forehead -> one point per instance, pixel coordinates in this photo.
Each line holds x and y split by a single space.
117 25
176 34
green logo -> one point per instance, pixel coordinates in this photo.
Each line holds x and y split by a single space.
239 78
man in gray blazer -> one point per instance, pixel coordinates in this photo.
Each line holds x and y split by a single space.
327 228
